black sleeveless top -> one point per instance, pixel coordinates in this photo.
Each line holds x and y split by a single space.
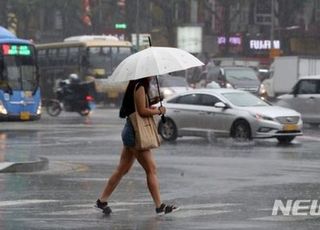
127 106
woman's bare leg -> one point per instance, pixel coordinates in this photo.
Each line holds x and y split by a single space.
126 162
146 159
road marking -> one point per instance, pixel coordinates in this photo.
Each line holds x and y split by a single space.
309 138
283 218
209 205
192 210
193 213
85 179
24 202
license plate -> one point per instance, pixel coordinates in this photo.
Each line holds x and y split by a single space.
25 116
290 127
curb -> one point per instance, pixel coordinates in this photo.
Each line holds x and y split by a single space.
28 166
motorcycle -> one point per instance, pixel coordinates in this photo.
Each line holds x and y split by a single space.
72 98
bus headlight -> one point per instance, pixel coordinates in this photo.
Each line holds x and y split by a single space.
3 109
39 109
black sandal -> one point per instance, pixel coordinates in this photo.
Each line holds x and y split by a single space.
103 206
166 209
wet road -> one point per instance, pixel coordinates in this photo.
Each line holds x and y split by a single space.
219 184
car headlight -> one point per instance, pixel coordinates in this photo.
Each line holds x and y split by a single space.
3 109
229 86
262 89
262 117
167 92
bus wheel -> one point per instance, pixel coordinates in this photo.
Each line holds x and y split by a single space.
54 108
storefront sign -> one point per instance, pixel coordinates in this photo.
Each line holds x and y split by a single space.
264 44
189 38
233 40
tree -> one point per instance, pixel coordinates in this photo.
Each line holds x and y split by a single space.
25 11
287 11
167 19
3 13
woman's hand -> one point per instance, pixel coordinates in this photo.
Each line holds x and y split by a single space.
140 98
162 110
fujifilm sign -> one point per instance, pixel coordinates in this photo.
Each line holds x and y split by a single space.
296 208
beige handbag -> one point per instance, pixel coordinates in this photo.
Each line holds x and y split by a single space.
146 135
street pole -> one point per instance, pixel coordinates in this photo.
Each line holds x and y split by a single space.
137 24
272 24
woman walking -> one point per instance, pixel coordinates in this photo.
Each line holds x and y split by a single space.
136 93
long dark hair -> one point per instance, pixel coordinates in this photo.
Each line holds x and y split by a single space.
128 99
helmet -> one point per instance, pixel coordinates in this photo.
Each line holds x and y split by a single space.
74 78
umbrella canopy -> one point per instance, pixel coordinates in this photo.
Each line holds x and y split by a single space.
154 61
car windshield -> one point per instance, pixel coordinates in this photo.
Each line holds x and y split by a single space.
244 99
241 75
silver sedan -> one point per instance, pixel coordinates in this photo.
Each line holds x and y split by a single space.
230 113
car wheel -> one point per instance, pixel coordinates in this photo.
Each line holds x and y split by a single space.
285 140
241 131
168 130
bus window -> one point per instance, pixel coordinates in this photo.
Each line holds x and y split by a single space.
119 54
52 57
108 64
1 67
122 54
3 82
100 60
42 57
29 82
73 56
62 56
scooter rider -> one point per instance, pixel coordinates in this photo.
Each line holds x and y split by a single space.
70 88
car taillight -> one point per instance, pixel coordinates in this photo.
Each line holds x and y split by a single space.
89 98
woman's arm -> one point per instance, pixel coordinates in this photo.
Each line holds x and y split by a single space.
142 109
156 99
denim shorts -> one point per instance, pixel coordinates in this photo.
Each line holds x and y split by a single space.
127 134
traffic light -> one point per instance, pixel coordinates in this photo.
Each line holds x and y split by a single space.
86 19
122 6
121 3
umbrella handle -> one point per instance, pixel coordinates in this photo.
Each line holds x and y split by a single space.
149 39
163 118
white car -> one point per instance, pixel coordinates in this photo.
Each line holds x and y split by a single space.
304 98
169 86
227 112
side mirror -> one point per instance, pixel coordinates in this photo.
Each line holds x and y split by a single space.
294 92
220 105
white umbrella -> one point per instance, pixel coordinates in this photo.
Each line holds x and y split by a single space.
154 61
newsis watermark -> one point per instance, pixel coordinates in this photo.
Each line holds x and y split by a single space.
296 208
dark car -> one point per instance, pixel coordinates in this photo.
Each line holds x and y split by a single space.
237 77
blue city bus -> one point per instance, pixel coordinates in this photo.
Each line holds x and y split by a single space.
19 79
